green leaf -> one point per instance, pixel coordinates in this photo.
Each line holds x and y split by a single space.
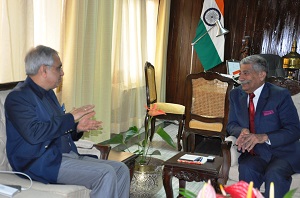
156 152
138 144
139 152
165 136
144 143
132 131
290 193
134 128
187 193
117 139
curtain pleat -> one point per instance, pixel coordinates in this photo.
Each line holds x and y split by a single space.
129 53
86 47
16 37
161 48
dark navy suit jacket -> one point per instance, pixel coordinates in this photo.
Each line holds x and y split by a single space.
275 115
35 132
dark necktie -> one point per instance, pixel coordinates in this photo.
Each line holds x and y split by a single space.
251 116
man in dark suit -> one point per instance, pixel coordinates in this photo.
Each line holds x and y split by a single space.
40 135
271 150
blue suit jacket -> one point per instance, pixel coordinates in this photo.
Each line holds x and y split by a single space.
275 115
35 132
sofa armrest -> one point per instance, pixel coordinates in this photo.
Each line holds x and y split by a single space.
104 150
87 147
233 150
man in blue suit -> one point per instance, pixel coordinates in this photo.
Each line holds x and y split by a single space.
40 135
271 151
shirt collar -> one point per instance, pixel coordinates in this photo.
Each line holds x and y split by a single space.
257 92
39 91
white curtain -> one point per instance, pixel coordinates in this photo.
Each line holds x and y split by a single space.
129 53
103 46
16 37
86 44
162 48
47 23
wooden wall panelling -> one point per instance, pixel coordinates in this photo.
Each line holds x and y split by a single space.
230 23
235 21
271 24
173 53
290 25
196 13
181 33
271 28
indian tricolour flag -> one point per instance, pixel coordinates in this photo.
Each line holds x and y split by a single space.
210 48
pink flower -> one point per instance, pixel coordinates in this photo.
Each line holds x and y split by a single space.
207 191
153 111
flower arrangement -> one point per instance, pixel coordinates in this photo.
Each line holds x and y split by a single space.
143 142
240 189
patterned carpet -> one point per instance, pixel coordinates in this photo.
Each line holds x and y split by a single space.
166 153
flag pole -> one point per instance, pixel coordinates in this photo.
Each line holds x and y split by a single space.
191 67
192 54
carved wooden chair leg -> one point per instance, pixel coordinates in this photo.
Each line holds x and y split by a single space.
179 135
224 172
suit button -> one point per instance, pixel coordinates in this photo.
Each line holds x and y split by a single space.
46 146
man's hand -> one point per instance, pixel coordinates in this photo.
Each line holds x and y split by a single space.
86 123
247 140
78 113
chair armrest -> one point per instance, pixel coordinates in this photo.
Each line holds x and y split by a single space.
104 150
87 147
233 150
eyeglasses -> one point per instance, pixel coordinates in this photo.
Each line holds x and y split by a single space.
58 69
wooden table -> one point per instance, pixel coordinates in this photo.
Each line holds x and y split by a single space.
190 172
125 157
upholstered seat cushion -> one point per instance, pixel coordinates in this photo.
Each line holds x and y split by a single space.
44 190
171 108
217 127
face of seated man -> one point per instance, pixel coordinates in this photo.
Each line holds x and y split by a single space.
251 79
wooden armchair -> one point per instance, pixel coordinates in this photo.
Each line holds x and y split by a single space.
206 111
173 111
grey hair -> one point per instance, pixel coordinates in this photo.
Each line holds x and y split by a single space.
258 63
38 56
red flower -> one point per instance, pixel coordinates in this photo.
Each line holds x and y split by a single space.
153 111
240 189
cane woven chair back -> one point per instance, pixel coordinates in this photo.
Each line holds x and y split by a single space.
150 84
206 111
207 104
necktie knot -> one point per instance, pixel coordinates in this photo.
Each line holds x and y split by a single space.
251 96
